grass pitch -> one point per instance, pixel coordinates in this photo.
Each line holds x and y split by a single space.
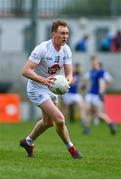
101 154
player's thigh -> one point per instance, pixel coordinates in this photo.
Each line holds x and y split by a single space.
98 110
88 101
94 109
51 111
87 106
97 106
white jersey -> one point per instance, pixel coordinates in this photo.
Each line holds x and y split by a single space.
107 77
49 60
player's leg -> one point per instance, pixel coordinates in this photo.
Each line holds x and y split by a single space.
67 109
101 114
78 99
94 117
107 119
37 96
85 114
39 128
51 110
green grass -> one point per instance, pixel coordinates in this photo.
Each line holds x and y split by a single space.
101 154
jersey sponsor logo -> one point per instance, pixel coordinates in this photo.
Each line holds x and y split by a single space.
53 69
49 58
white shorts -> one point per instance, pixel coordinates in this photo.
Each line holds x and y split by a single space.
94 100
39 94
71 98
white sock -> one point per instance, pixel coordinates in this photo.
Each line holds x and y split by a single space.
29 140
69 144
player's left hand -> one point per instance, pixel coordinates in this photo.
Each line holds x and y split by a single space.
69 82
51 80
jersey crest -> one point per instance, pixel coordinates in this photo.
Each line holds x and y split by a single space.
53 69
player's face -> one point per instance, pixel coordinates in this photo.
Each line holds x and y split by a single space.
95 64
60 36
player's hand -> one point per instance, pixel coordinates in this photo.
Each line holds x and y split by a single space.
101 96
50 80
69 82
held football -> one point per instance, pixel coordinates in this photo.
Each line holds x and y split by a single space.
60 85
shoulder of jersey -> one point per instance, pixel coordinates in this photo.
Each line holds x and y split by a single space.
67 49
44 45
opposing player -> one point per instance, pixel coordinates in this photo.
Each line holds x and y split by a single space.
107 83
95 96
46 60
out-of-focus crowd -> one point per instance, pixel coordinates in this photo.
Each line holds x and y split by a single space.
110 42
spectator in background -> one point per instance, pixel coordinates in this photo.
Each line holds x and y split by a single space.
73 97
116 42
82 44
95 97
106 43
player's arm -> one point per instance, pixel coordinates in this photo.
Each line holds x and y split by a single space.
102 88
108 78
102 85
28 72
68 70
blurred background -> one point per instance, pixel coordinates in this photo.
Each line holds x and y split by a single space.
95 28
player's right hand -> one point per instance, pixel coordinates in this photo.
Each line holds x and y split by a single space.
50 80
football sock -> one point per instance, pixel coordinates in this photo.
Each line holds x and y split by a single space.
29 141
69 144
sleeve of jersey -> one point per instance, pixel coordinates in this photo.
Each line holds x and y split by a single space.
36 55
108 77
68 56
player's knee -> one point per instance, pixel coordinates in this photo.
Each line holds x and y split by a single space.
60 120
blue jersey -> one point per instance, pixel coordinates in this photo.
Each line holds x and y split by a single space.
76 82
94 77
